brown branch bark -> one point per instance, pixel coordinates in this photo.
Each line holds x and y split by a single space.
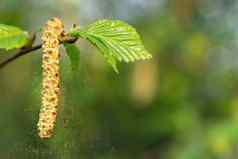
25 51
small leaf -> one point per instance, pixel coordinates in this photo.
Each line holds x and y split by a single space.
12 37
117 40
74 54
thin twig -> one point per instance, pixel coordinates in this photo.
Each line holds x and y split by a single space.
19 54
25 51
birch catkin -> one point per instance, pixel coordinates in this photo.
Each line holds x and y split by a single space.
50 84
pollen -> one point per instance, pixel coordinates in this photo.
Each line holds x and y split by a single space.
50 83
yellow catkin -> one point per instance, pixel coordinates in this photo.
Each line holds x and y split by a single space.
50 84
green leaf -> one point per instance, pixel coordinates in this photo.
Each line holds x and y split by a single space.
12 37
74 54
117 40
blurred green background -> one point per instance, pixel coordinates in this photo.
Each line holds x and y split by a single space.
182 104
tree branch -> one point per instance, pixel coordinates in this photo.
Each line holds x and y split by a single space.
25 51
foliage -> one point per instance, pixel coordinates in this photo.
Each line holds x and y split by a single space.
12 37
116 40
74 54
